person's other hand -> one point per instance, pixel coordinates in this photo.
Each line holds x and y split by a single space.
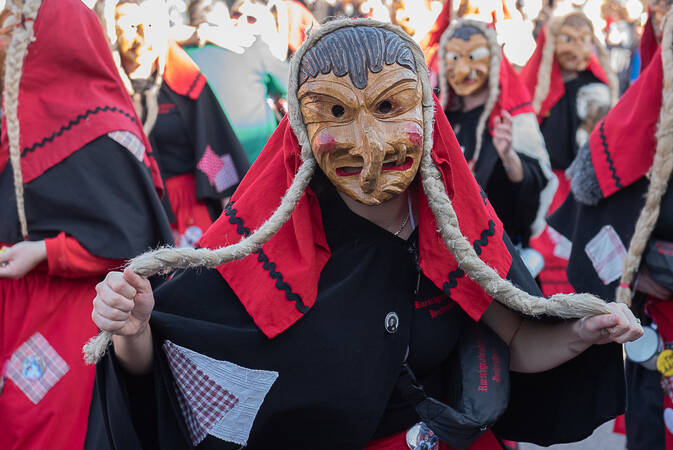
21 258
620 326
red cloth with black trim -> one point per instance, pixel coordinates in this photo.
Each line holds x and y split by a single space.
630 124
181 73
553 277
56 118
556 87
300 249
648 43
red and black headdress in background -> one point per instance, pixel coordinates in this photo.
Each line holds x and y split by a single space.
543 66
70 92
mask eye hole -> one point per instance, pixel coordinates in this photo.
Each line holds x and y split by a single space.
385 107
338 111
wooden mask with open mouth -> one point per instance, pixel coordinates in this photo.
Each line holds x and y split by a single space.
365 129
467 60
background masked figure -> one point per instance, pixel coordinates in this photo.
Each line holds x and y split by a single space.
78 196
616 207
491 114
200 158
307 331
563 63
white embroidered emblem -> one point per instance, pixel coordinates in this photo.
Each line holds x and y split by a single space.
606 252
35 367
217 397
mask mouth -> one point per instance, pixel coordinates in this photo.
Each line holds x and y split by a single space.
392 165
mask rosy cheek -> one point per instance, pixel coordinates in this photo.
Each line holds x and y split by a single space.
324 142
415 135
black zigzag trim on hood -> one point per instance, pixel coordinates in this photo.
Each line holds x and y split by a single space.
74 122
267 265
611 163
478 245
485 234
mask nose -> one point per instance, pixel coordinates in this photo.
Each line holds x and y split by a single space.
461 71
369 146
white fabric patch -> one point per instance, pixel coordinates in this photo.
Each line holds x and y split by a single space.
563 246
129 141
606 252
249 387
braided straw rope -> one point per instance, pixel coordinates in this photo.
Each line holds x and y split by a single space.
548 52
659 173
493 75
166 259
22 36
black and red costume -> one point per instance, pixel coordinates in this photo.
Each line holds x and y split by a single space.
305 320
90 191
609 184
199 155
558 122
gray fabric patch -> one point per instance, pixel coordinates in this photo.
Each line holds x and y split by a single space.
583 181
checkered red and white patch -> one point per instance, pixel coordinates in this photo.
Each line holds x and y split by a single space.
203 402
35 367
220 170
216 397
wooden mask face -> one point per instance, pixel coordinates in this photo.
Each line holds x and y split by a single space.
367 141
467 63
573 46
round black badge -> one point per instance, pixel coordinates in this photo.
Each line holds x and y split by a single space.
392 322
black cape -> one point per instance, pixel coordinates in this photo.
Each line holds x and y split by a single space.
101 195
580 222
515 203
338 366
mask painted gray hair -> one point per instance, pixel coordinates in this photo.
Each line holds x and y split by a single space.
356 51
466 32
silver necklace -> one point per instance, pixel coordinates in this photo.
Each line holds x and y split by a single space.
404 224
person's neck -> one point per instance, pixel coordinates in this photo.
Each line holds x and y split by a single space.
389 215
475 100
567 75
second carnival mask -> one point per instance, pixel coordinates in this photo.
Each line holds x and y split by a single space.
366 130
467 61
574 42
